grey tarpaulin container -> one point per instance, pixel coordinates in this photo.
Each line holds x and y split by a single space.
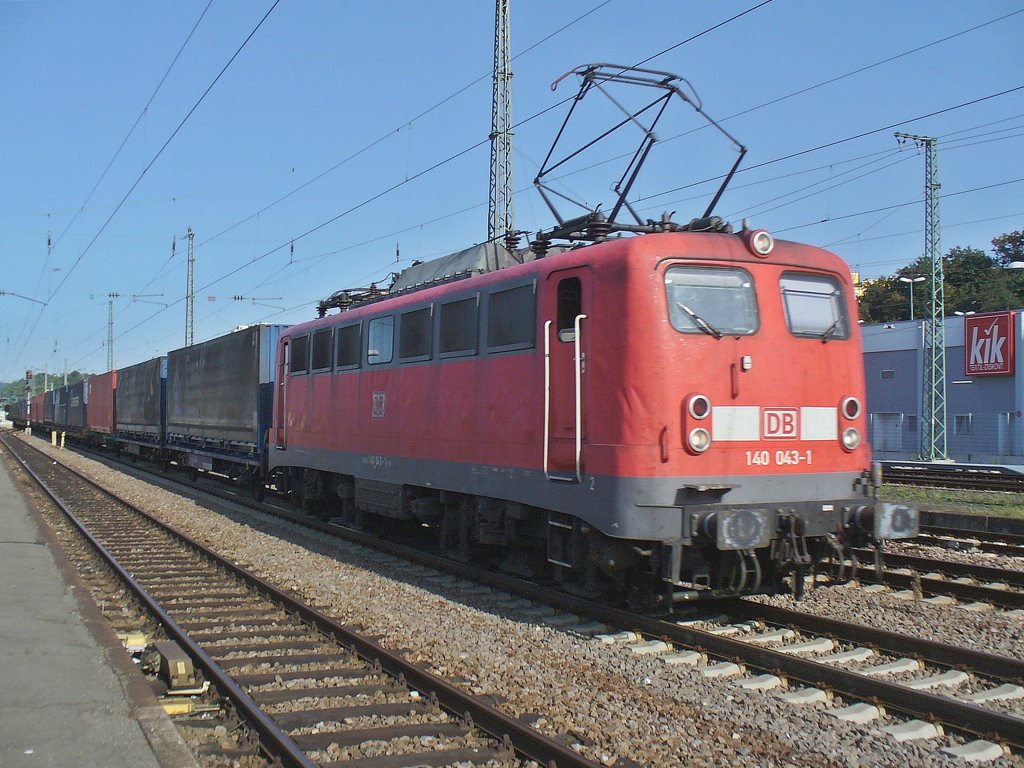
219 392
140 391
60 406
48 408
76 405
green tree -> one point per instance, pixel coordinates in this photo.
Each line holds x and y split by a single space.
974 282
1009 247
883 302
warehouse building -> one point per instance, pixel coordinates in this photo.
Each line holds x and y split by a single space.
984 388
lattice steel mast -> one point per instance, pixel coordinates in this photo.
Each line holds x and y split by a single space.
110 329
190 292
500 218
933 392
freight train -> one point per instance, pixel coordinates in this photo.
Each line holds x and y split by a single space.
661 417
656 411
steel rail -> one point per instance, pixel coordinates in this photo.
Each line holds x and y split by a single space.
281 743
1003 598
986 536
956 715
989 664
524 739
990 544
950 479
929 564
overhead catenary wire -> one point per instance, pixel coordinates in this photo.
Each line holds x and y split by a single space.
145 170
371 200
53 244
479 144
406 124
402 183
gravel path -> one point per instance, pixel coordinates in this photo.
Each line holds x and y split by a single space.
616 703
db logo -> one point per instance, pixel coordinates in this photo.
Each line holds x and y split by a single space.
779 423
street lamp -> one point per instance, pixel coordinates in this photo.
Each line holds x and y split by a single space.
910 281
963 314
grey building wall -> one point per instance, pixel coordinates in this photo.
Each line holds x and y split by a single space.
984 423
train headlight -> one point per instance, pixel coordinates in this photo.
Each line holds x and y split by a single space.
699 440
851 439
760 243
698 406
850 408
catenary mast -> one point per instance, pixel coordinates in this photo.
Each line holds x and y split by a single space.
190 292
933 391
500 219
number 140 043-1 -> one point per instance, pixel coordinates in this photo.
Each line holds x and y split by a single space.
778 458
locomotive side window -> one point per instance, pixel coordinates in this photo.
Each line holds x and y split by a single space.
718 301
322 349
414 338
349 339
459 326
510 318
381 347
299 355
814 306
570 306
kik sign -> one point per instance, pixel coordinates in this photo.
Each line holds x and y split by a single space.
988 344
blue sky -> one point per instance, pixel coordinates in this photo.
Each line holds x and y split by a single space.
324 128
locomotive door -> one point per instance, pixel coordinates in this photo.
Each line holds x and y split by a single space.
565 366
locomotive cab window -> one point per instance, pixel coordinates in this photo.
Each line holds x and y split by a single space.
299 362
814 306
322 349
459 327
718 301
570 306
348 340
414 337
510 319
381 341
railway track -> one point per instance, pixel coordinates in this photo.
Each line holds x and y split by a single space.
992 717
970 583
954 477
995 543
314 691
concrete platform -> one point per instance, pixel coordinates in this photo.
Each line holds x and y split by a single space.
68 694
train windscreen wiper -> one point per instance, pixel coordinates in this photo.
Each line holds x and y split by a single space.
829 331
700 322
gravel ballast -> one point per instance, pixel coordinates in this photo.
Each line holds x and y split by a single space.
614 702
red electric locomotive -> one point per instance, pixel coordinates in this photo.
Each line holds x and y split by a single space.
678 409
672 414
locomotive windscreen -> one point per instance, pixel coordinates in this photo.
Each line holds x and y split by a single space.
713 300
